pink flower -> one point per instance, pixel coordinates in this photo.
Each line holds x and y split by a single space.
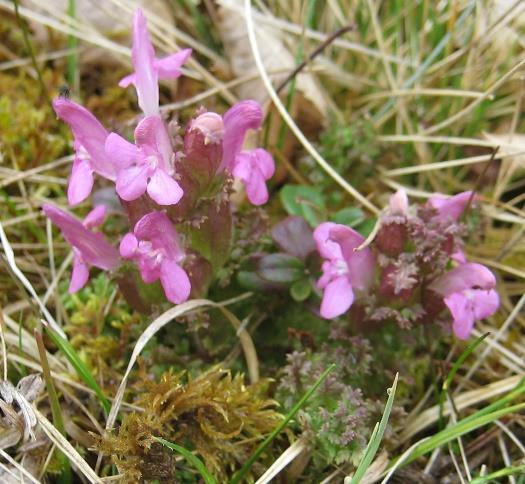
146 165
90 157
148 69
253 167
468 292
450 208
344 269
154 245
89 248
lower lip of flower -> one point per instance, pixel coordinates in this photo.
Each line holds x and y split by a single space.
340 268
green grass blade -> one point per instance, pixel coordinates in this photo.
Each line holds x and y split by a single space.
191 458
508 471
497 405
375 439
468 350
461 428
452 373
80 367
246 467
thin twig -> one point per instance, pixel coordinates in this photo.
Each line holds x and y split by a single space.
318 50
479 181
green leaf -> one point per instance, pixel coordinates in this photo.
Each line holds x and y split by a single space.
376 437
251 280
366 227
307 202
280 268
190 457
350 216
80 367
301 289
237 477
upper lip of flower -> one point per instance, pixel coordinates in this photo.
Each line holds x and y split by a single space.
148 69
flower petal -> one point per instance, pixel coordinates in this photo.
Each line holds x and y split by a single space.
264 162
121 152
95 217
466 276
486 303
163 189
462 312
361 263
88 132
152 137
157 228
128 246
127 80
149 271
143 56
327 248
132 182
175 281
237 121
247 170
80 182
450 208
169 67
338 296
80 274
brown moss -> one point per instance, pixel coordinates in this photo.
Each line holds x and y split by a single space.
215 414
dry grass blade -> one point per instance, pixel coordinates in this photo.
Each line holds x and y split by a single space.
95 39
282 461
250 353
60 441
10 256
19 467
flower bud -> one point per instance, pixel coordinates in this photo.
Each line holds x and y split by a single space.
211 126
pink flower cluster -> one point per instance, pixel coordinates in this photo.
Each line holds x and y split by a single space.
147 167
411 261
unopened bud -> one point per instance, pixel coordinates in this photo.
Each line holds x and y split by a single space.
398 204
211 126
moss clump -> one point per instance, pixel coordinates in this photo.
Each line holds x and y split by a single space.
216 415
